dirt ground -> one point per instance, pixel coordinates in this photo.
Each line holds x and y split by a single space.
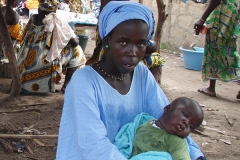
40 114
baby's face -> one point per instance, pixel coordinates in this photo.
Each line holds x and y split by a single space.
183 119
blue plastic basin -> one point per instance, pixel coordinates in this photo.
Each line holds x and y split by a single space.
192 59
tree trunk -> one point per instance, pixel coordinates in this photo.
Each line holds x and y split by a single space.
162 16
169 10
9 51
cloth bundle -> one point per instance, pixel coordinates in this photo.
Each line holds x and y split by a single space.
61 31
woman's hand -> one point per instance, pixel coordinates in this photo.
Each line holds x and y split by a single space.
198 26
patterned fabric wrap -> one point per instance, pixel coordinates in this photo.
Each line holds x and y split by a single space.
85 6
155 60
221 59
116 12
61 33
95 7
48 5
36 74
15 31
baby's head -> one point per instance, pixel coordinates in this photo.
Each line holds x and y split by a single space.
181 116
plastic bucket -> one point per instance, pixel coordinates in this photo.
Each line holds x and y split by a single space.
83 39
192 59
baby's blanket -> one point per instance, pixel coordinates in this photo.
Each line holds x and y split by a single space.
125 137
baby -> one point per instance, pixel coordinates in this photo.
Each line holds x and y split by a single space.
169 131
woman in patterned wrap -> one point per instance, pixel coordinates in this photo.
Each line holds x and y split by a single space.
49 44
221 59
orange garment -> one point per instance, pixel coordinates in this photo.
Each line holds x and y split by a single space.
32 4
15 31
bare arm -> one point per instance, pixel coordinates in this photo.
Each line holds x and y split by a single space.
212 5
15 19
199 24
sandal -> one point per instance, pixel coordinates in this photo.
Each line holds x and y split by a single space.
207 92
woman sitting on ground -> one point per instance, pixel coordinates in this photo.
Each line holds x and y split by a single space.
48 45
106 95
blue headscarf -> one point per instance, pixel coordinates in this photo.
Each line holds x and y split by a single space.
116 12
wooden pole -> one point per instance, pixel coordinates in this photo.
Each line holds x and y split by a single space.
9 51
162 16
169 10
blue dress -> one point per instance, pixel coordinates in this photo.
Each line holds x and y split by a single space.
93 113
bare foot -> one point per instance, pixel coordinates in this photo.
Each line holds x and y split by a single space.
238 82
238 96
207 92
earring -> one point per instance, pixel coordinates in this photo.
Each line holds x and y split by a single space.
107 46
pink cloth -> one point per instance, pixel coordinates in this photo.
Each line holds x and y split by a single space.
24 5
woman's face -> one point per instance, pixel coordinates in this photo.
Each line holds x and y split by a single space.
127 45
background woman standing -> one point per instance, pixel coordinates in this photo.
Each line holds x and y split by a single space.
221 58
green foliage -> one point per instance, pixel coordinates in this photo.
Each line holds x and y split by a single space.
163 45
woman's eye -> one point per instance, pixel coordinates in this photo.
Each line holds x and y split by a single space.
141 45
123 43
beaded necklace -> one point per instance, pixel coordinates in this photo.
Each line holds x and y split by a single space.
109 75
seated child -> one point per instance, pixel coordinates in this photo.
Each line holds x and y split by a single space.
13 26
168 133
153 60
